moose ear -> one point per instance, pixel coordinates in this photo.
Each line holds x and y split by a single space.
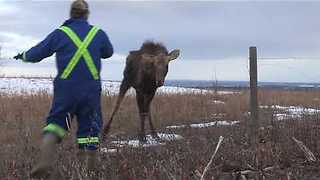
174 54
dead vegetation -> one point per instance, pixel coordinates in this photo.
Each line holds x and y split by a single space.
275 156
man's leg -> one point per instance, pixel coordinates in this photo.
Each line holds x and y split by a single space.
57 126
88 159
53 134
89 128
47 156
88 151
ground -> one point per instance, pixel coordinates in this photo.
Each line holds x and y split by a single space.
193 116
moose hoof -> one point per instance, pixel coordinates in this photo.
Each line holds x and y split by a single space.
104 137
142 138
155 135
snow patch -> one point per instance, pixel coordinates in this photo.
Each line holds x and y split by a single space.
307 86
227 92
218 102
12 86
135 143
106 150
205 125
291 112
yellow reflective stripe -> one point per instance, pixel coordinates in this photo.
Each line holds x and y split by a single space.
24 57
89 140
91 65
53 128
87 56
72 35
75 59
82 51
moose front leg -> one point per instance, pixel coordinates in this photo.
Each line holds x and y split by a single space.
149 98
153 131
142 134
143 115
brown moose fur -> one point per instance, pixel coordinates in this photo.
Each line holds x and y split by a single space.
145 71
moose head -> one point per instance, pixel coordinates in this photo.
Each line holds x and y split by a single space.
156 65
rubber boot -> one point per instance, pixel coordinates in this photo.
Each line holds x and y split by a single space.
47 156
88 160
82 157
92 160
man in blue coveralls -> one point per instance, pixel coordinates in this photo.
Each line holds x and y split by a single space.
79 48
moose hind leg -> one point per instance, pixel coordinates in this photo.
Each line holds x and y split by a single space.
123 89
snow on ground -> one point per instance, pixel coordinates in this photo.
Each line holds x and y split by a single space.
180 90
227 92
307 86
13 86
290 112
134 143
218 102
150 141
282 113
23 85
205 125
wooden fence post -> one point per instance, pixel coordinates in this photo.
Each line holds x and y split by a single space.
254 124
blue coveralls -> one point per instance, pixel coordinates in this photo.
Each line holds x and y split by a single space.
79 93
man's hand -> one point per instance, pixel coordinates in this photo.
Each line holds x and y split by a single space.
18 56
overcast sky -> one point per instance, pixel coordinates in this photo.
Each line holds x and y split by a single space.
213 36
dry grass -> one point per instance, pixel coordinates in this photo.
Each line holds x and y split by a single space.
22 120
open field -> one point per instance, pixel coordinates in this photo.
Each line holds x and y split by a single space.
22 121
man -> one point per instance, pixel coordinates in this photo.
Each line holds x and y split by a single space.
79 48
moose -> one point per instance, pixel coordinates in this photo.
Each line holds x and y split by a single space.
145 71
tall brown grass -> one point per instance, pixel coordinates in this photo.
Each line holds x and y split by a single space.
22 118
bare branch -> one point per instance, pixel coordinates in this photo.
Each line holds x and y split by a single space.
211 160
309 155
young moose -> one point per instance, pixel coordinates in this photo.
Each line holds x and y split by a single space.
145 71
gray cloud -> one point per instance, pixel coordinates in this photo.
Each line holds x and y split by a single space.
203 30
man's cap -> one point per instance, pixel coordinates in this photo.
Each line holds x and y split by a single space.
80 5
79 8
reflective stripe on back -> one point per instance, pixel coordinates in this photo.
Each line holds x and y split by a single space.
82 51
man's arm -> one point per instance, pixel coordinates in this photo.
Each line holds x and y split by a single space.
107 48
42 50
